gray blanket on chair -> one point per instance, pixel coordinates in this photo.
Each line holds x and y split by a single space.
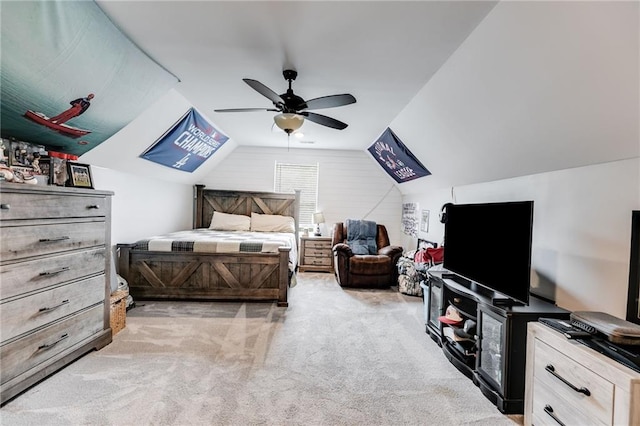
361 236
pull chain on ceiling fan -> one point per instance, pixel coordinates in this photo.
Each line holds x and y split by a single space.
293 109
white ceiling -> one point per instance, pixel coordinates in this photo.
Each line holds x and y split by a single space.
383 53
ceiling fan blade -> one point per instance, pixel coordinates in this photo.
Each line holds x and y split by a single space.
245 109
324 120
330 101
264 91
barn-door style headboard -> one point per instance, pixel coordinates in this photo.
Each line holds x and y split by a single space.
242 202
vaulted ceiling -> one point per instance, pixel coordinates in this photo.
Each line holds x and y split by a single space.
383 53
479 91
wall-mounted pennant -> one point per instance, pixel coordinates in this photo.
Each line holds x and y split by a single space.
188 144
396 159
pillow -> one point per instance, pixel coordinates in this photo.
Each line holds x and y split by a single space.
230 222
272 223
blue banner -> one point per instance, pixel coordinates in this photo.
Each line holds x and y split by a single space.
188 144
396 159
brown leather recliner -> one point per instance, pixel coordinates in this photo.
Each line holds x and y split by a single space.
365 270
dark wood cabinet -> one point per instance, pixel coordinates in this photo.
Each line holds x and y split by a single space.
494 356
432 294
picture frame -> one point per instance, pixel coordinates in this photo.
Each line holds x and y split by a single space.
23 154
58 171
424 221
633 297
79 175
5 152
46 169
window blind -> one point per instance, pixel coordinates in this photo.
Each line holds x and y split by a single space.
290 177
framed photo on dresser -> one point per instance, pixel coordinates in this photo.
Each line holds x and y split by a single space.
79 175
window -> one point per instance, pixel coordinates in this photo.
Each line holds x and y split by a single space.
289 177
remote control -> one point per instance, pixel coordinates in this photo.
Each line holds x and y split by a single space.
577 334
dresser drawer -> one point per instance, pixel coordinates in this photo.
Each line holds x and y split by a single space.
597 405
21 355
23 277
547 404
313 252
317 261
28 313
41 206
310 244
18 242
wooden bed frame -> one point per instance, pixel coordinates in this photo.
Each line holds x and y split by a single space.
214 276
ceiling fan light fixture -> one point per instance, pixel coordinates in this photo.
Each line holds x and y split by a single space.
288 122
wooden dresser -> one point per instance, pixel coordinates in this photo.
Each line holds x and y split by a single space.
54 280
569 383
315 254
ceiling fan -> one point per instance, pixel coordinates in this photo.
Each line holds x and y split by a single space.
293 109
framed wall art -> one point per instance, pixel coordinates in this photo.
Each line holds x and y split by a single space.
424 221
409 222
79 175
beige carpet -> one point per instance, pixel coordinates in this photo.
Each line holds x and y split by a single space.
333 357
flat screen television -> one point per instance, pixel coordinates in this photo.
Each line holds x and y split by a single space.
490 245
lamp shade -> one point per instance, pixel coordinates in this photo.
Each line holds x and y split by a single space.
288 122
318 217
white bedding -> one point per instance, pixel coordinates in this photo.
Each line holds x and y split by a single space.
209 241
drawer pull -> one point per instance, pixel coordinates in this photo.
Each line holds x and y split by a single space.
51 308
50 345
5 206
56 272
551 369
53 240
549 410
93 206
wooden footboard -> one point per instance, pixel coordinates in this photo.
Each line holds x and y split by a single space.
214 276
205 276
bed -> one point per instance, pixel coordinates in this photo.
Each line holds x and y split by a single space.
185 265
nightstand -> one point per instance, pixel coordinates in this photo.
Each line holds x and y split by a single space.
315 254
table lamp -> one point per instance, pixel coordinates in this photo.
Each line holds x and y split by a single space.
318 218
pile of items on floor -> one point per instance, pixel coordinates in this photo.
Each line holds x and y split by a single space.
413 267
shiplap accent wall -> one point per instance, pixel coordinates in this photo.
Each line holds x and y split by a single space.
350 184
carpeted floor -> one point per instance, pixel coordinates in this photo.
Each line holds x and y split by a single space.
333 357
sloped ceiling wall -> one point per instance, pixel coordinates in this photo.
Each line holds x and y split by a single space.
537 87
122 151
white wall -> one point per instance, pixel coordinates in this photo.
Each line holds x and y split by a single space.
581 234
538 86
351 185
142 207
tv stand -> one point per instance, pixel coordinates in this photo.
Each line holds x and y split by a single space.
494 357
502 301
447 275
